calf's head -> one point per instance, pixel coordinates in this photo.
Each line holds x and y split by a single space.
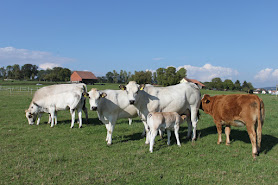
206 103
132 89
94 97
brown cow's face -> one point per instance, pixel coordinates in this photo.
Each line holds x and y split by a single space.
206 103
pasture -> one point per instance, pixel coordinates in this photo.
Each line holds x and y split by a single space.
32 154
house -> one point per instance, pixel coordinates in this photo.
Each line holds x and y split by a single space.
199 84
86 77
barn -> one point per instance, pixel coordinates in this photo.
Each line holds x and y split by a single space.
199 84
86 77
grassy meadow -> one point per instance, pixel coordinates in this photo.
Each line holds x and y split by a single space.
32 154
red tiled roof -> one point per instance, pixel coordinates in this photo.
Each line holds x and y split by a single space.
86 75
194 81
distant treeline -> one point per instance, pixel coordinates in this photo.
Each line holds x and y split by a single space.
31 72
162 76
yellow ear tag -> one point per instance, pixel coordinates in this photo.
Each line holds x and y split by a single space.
141 88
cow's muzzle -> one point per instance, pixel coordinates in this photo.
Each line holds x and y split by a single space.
94 108
131 102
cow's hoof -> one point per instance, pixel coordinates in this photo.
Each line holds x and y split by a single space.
80 127
228 144
109 144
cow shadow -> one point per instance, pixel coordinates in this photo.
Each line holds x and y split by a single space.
267 143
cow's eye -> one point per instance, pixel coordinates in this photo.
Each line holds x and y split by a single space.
30 116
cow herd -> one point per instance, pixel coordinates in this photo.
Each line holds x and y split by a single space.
159 108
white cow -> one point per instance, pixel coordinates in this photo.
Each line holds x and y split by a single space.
182 98
164 120
111 105
51 99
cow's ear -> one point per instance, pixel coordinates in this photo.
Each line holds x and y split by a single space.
207 101
26 110
141 87
122 87
35 104
85 94
103 95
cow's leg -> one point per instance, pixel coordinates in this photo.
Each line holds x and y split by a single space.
110 132
227 132
252 136
72 112
176 130
194 120
169 136
55 117
107 130
153 133
259 135
84 108
52 114
129 121
80 117
147 133
219 131
189 123
39 118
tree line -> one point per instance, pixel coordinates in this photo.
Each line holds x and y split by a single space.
218 84
162 76
31 72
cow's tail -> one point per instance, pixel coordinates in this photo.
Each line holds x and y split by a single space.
261 117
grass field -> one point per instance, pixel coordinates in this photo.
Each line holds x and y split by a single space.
32 154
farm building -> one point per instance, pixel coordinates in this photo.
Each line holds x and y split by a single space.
86 77
199 84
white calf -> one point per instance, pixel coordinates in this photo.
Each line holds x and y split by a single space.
164 120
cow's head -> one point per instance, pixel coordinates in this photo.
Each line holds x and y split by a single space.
94 97
132 89
206 103
31 117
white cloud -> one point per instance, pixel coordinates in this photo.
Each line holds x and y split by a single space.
158 58
208 72
48 66
267 74
11 55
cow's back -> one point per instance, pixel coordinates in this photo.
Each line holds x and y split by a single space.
176 98
230 107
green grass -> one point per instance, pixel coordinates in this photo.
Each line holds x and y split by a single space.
32 154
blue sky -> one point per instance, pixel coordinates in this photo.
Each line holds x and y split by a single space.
211 38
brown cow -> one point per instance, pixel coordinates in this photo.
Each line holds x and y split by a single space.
237 110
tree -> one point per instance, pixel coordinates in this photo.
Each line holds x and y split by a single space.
142 77
109 77
160 72
115 76
217 83
9 71
181 73
228 84
170 74
237 85
3 73
28 71
16 71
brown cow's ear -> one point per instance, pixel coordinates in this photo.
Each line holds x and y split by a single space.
103 95
122 87
207 101
141 87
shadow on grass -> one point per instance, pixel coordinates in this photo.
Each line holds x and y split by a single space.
268 141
